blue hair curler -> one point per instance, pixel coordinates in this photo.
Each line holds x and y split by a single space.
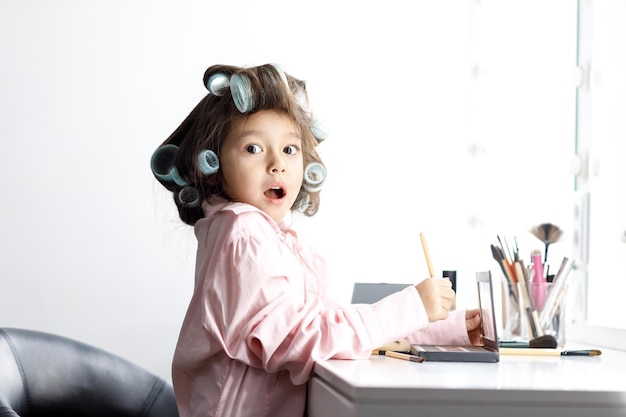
282 74
162 164
242 93
177 178
318 132
189 197
208 161
217 83
314 176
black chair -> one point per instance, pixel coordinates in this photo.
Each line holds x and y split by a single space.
43 374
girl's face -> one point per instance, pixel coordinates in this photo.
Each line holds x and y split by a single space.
262 163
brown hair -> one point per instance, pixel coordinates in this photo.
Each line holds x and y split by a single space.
210 122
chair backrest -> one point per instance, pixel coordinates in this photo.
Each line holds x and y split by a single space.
47 374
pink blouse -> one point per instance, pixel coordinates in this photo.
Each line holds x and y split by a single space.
260 317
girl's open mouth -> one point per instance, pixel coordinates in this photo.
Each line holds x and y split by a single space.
275 192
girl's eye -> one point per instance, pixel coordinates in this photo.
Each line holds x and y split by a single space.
291 150
253 149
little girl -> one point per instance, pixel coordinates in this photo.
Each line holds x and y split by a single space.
260 315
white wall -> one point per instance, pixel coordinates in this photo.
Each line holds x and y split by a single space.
90 246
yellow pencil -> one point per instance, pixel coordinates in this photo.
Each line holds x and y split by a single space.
431 270
404 356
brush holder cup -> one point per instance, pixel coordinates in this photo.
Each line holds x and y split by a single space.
511 323
527 313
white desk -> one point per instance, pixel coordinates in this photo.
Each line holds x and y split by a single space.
516 386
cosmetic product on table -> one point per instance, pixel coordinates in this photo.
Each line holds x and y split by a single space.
532 305
538 281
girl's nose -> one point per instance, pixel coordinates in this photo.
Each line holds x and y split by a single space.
276 164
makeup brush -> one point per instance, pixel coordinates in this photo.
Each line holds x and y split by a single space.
548 233
549 352
498 255
547 341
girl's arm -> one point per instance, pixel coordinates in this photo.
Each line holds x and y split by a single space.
451 331
264 306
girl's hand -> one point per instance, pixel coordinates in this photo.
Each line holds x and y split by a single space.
437 296
474 331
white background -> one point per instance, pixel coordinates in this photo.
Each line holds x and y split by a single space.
453 118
